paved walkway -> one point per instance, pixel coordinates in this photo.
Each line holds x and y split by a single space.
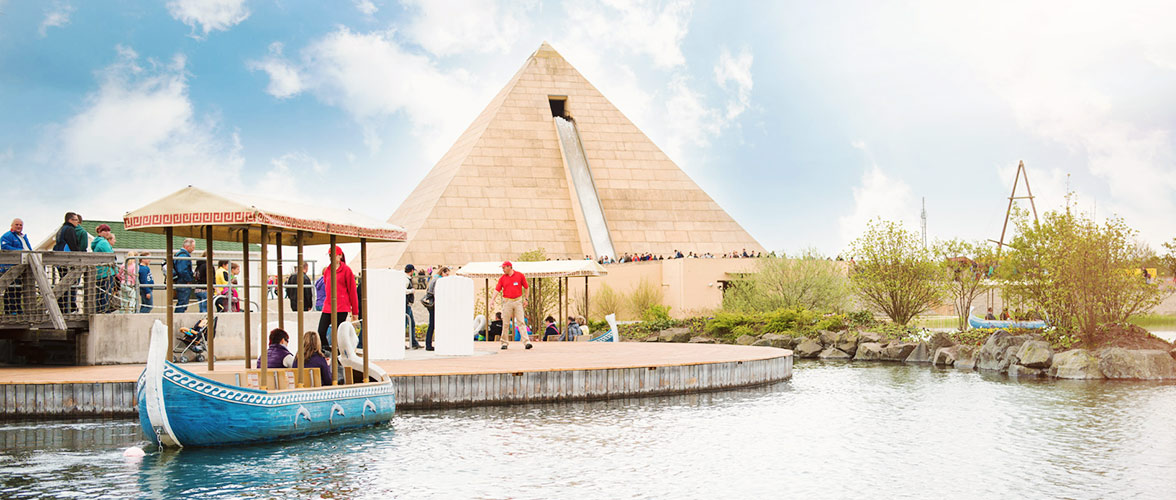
546 356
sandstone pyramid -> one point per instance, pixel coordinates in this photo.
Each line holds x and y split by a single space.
505 187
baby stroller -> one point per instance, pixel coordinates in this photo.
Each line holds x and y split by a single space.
190 342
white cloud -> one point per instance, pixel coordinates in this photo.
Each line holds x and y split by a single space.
56 17
366 7
447 27
878 195
735 71
285 80
290 172
650 28
211 15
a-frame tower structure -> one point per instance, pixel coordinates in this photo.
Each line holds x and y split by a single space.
514 181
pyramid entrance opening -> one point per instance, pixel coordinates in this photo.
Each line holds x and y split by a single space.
558 105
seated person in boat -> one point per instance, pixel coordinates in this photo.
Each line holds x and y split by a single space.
495 327
550 330
312 346
278 356
989 316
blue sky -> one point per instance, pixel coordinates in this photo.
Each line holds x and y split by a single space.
802 119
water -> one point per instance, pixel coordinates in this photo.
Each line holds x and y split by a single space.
834 431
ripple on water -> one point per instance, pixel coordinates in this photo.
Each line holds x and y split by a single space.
834 430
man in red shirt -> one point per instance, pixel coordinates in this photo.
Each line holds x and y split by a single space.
511 285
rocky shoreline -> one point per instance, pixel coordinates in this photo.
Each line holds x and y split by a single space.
1018 356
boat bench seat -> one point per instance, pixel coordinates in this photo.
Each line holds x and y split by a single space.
278 378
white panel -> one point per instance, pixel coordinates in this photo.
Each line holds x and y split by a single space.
454 333
385 316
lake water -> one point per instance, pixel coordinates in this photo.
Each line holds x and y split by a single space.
833 431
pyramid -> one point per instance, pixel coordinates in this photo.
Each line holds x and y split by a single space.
505 188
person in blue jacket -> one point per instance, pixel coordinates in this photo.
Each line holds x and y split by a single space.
14 240
183 274
146 293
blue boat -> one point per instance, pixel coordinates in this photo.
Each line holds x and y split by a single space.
975 322
178 408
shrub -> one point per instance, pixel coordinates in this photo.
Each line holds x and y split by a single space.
742 330
656 313
604 302
725 322
894 273
861 318
804 281
644 296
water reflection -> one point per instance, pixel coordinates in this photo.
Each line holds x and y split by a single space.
835 430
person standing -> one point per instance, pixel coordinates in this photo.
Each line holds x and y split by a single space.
200 276
346 300
146 282
430 303
67 240
128 280
14 241
307 290
104 244
183 274
510 287
409 298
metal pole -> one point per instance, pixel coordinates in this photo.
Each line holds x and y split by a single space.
209 333
248 304
363 309
278 286
333 294
301 352
171 334
264 345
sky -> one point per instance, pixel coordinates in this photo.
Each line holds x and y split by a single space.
803 120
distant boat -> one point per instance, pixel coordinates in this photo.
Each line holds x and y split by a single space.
178 408
975 322
612 335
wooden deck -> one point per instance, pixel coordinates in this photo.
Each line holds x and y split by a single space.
552 371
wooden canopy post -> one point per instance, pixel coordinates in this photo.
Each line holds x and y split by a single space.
302 381
333 293
168 294
363 309
559 307
486 327
278 287
586 318
248 304
209 333
264 346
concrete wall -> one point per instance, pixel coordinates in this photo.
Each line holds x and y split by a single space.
124 338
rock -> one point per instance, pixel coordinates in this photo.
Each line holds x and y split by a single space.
897 351
827 338
1000 349
874 337
674 335
847 341
939 340
1119 363
1077 364
776 340
1035 354
944 356
868 351
966 357
1173 353
746 339
1021 371
833 353
652 338
702 340
809 348
921 354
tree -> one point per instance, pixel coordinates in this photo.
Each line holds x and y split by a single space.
1083 275
893 273
1169 259
807 280
542 297
967 266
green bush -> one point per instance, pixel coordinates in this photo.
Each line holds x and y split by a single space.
861 318
644 296
604 302
805 281
725 322
656 312
742 330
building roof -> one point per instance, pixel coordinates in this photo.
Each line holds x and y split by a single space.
138 240
541 269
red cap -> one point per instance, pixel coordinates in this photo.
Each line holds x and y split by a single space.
337 250
506 264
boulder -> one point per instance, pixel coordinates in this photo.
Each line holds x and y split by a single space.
1021 371
897 351
847 341
827 338
874 337
746 339
776 340
674 335
944 356
868 351
1035 354
1077 364
1173 352
1000 351
652 338
1119 363
966 357
939 340
921 354
809 348
702 340
833 353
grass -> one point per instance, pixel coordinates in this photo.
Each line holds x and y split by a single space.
936 322
1155 321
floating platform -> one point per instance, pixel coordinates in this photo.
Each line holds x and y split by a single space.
551 372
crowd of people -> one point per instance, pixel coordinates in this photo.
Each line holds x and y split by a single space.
677 254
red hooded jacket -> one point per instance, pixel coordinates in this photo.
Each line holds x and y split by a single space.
348 302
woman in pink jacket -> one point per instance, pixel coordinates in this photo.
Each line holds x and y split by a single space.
348 303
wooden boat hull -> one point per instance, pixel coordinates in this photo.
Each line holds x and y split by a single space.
178 408
1027 325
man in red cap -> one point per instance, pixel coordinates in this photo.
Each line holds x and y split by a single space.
511 285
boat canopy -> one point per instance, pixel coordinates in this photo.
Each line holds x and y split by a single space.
191 209
542 269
